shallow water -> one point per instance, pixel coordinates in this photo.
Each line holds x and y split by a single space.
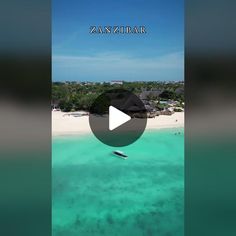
96 193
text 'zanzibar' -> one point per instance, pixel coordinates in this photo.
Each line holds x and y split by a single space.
117 30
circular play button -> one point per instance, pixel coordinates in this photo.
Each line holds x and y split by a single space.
117 117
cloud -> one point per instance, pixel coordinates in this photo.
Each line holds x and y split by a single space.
108 66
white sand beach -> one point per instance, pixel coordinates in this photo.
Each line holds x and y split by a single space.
62 124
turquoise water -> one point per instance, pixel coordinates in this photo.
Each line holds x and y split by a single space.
96 193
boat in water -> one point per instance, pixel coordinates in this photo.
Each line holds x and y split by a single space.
120 154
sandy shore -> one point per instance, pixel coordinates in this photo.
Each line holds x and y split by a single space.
62 124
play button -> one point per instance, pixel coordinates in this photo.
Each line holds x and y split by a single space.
117 117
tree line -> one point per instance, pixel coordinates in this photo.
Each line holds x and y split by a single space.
72 96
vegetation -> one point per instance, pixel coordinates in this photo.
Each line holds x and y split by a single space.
176 109
71 96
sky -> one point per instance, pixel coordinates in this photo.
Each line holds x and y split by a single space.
157 55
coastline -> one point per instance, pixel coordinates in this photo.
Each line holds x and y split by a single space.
63 125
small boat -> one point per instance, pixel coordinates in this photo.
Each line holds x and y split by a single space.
120 154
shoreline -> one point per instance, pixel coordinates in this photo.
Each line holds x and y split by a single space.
75 126
74 135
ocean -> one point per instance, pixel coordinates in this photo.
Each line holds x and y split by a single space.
96 193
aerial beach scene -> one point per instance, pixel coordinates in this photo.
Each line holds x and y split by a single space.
100 189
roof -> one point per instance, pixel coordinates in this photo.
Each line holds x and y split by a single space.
145 94
149 108
179 91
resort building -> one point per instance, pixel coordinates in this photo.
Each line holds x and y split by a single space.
120 82
145 95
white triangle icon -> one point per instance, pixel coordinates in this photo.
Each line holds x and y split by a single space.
117 118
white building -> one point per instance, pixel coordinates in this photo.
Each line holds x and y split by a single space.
116 82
